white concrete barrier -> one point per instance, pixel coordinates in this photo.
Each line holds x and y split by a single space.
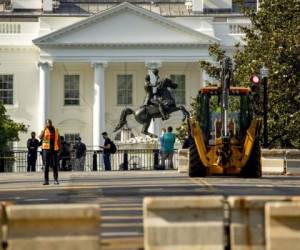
184 223
247 222
1 225
272 165
55 226
183 160
282 225
281 161
273 161
293 162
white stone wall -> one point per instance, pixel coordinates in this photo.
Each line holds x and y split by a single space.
22 64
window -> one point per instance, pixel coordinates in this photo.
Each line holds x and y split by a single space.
6 89
124 88
246 3
71 84
70 138
179 92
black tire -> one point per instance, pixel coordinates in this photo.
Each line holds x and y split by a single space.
252 169
196 167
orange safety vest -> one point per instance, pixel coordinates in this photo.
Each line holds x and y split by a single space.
46 139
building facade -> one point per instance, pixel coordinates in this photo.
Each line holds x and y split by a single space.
81 62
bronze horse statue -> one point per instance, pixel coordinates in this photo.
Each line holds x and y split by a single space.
146 113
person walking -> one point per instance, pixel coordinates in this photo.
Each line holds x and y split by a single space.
168 141
106 151
50 146
32 146
80 152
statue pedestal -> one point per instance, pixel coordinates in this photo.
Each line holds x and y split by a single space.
155 126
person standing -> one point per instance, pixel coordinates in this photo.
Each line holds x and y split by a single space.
32 146
50 146
168 141
106 151
163 131
80 152
64 154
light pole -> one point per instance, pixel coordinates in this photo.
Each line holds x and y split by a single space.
264 72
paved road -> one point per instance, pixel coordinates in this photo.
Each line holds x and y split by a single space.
121 194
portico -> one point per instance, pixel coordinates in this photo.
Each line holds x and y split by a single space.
124 40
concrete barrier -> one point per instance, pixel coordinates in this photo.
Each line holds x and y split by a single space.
273 161
183 160
272 165
293 162
1 225
55 226
184 223
247 221
282 225
281 161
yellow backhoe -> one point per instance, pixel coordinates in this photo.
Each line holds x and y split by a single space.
225 134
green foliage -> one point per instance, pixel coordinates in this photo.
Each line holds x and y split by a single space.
214 69
182 131
9 130
271 41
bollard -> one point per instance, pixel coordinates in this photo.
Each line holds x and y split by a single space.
124 164
157 166
94 161
125 160
183 160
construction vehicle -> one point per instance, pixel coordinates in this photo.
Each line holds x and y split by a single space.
224 138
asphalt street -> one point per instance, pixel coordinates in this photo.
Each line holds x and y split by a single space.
120 194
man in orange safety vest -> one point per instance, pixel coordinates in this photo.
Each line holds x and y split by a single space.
50 146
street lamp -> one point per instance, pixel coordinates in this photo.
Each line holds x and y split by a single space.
264 73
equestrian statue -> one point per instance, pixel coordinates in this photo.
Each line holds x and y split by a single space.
159 103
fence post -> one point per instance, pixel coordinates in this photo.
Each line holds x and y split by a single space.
156 159
94 161
125 160
2 162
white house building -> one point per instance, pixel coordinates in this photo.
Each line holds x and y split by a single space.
81 62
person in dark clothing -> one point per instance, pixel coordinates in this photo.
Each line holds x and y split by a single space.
32 145
106 151
50 146
187 142
80 152
64 154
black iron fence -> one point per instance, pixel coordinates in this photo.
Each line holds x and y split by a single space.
131 159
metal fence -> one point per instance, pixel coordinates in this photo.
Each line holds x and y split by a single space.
131 159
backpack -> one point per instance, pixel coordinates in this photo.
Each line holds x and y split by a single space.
113 147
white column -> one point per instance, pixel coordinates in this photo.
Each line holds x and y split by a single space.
44 94
198 5
99 103
155 125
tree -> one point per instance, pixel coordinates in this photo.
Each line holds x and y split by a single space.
272 41
9 130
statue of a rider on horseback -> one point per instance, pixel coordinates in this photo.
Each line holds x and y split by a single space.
153 96
159 103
